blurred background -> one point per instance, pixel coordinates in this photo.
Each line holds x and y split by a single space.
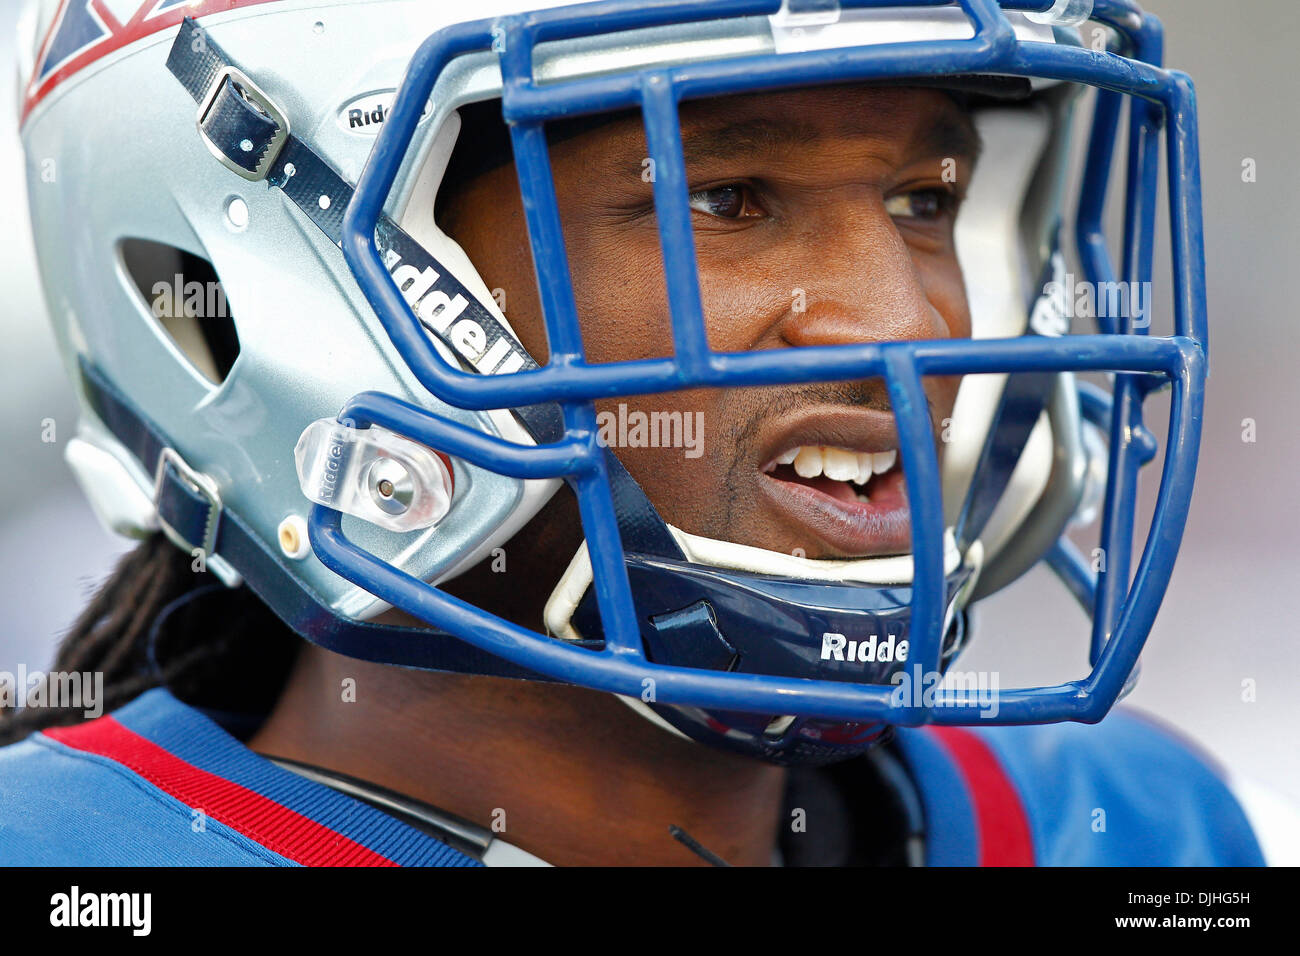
1227 618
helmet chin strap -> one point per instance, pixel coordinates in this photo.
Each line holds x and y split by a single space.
732 607
697 549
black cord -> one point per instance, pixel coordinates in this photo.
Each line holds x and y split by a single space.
696 847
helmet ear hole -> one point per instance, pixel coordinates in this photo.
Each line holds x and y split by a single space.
183 294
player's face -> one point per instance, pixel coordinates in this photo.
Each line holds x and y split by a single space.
821 217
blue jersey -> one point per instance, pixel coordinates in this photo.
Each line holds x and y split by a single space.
160 783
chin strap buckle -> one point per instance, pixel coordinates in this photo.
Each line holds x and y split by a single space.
241 126
189 512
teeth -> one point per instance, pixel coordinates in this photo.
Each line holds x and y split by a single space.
882 461
808 462
864 468
837 464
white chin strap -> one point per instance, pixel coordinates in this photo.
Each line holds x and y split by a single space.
895 569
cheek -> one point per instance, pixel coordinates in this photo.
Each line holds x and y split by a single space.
622 298
946 292
622 307
622 302
676 446
493 234
743 301
618 287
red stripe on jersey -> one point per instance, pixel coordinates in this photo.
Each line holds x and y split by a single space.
1000 819
262 820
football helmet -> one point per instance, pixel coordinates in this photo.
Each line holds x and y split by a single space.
367 426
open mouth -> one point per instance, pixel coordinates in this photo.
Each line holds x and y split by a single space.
853 500
847 476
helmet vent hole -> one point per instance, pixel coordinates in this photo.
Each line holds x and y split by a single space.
184 296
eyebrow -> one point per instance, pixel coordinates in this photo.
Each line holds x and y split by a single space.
758 137
950 134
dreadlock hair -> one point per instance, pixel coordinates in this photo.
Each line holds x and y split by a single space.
157 621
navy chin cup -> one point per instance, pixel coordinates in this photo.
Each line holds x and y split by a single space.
741 622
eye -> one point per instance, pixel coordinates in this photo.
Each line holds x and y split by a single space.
923 204
732 201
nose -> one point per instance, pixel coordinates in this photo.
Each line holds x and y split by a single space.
861 282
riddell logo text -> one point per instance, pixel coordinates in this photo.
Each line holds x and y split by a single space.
363 117
366 113
329 480
837 647
439 313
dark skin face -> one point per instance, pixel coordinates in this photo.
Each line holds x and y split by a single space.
821 217
837 193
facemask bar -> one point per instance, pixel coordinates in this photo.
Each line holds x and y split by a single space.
1123 618
1131 444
